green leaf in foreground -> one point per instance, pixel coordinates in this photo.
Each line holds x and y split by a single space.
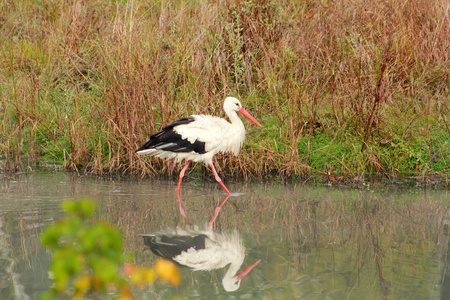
88 257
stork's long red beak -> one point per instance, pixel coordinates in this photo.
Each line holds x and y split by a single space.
249 116
246 271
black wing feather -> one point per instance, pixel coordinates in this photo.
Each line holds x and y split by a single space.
170 247
168 140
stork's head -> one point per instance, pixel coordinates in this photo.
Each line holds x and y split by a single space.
233 104
231 284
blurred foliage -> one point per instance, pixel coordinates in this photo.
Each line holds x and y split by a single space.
87 257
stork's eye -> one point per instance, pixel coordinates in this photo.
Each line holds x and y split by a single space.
236 282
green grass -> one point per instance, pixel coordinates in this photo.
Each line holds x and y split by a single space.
343 88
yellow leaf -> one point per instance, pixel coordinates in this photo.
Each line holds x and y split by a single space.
125 294
149 275
82 284
167 270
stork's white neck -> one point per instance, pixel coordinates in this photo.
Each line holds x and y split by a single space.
230 281
234 253
236 134
234 118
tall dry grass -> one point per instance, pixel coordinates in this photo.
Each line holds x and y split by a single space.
88 82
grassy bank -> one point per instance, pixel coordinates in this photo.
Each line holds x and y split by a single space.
341 87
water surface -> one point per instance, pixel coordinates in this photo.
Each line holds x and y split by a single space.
314 242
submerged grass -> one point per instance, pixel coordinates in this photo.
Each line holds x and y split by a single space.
347 88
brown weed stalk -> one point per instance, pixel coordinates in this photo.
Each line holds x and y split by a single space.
88 82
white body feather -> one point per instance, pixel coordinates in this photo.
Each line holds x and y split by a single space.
218 134
220 250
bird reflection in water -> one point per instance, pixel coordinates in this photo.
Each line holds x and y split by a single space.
202 248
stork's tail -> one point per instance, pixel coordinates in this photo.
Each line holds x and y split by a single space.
141 151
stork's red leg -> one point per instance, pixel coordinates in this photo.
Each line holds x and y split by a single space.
182 175
218 179
217 211
183 213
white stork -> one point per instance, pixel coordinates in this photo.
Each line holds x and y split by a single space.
199 137
202 249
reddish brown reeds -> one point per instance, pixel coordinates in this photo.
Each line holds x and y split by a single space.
344 88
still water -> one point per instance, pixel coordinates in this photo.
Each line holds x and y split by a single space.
314 242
